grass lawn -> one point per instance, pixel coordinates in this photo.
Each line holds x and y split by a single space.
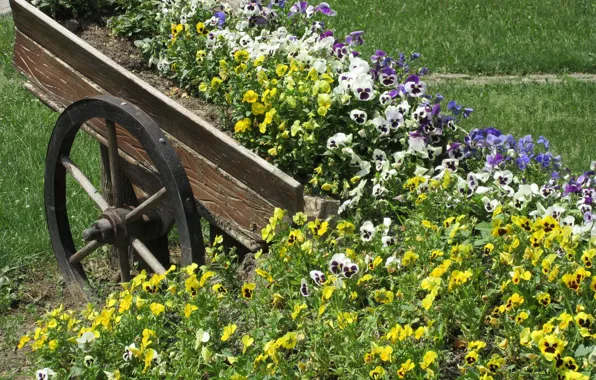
472 36
25 128
563 113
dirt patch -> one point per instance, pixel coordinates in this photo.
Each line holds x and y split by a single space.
127 55
40 289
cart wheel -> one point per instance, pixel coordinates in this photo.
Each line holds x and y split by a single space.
118 226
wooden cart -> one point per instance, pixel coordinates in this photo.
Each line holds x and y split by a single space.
170 155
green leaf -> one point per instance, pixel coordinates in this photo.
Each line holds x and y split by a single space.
583 351
485 226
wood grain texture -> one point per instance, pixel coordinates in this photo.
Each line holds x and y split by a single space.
230 204
199 135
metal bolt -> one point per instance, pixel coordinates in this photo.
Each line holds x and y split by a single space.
162 140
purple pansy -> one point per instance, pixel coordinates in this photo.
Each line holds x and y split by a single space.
355 38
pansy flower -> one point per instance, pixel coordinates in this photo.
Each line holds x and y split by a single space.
392 264
248 290
363 88
355 38
414 86
388 241
337 140
380 158
88 360
367 231
44 374
304 288
252 9
387 97
219 289
336 263
358 116
381 125
325 9
421 114
86 340
349 269
318 277
503 177
388 77
394 117
551 346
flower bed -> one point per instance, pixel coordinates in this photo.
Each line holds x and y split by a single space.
455 254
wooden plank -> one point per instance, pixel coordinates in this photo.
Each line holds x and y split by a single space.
232 205
200 136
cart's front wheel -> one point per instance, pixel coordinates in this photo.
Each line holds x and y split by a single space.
118 225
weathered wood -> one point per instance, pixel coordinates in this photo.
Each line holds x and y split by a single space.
147 205
147 256
232 205
129 197
146 182
320 208
200 136
91 191
114 164
84 252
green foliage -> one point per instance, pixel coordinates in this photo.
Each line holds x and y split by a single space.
8 290
63 10
333 302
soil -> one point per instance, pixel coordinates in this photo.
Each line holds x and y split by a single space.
127 55
40 289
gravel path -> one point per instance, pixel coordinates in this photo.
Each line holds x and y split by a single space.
4 7
532 78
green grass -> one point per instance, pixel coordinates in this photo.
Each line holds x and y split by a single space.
563 113
472 36
25 128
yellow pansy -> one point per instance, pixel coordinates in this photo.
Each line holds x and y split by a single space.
250 96
247 341
228 331
188 309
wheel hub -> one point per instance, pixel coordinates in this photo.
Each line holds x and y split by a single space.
113 228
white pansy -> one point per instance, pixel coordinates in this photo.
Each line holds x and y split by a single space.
378 190
394 117
568 221
337 140
367 231
399 158
392 263
417 145
128 352
388 241
201 336
358 116
86 340
44 374
359 66
503 177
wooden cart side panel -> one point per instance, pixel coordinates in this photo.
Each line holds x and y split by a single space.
233 204
202 137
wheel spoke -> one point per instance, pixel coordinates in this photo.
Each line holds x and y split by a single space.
147 256
146 205
84 252
124 263
114 163
78 175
